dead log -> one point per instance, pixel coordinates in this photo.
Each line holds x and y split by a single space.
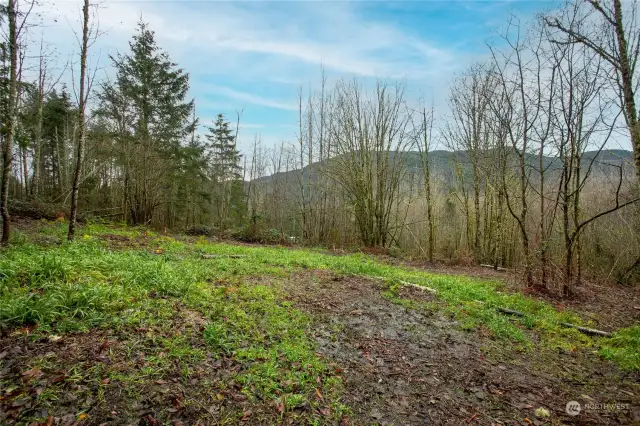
223 256
421 287
499 268
510 312
586 330
405 283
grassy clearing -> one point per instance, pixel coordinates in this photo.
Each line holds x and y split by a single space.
177 269
88 285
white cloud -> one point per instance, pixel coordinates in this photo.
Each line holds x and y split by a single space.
331 34
243 97
256 54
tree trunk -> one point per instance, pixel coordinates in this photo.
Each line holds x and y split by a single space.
543 239
11 123
626 75
81 123
37 149
25 170
476 205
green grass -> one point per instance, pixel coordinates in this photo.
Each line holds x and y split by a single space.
624 348
75 287
84 285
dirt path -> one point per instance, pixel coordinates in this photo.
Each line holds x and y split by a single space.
413 366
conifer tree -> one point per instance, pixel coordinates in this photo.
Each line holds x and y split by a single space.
150 115
226 173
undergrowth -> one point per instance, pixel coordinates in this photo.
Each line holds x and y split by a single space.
89 283
75 287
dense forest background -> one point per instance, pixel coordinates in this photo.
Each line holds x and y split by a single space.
528 179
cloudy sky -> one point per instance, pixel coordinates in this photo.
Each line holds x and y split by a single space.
256 55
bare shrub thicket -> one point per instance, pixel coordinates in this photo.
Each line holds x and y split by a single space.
528 181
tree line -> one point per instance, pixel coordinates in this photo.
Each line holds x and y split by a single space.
527 180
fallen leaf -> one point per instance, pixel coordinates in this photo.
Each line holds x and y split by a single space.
19 403
245 414
83 416
151 421
48 422
177 403
325 411
58 379
32 374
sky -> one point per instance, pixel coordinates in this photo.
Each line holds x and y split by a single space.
255 56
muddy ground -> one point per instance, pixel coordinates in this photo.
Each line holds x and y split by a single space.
402 365
79 362
406 366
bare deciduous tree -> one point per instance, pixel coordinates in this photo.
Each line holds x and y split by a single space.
82 125
611 30
371 140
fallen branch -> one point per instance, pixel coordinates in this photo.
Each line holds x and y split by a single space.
423 288
586 330
405 283
223 256
510 312
499 268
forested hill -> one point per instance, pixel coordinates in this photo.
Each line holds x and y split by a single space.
443 163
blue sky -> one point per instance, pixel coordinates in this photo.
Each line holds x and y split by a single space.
256 55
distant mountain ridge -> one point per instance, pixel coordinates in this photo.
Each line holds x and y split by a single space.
442 163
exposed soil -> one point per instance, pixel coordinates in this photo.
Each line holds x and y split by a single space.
413 366
80 363
401 365
607 305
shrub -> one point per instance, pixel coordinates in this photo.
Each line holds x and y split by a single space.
202 230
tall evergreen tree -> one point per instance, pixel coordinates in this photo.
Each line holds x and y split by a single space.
226 173
151 116
55 160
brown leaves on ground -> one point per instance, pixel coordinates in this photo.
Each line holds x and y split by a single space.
412 366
